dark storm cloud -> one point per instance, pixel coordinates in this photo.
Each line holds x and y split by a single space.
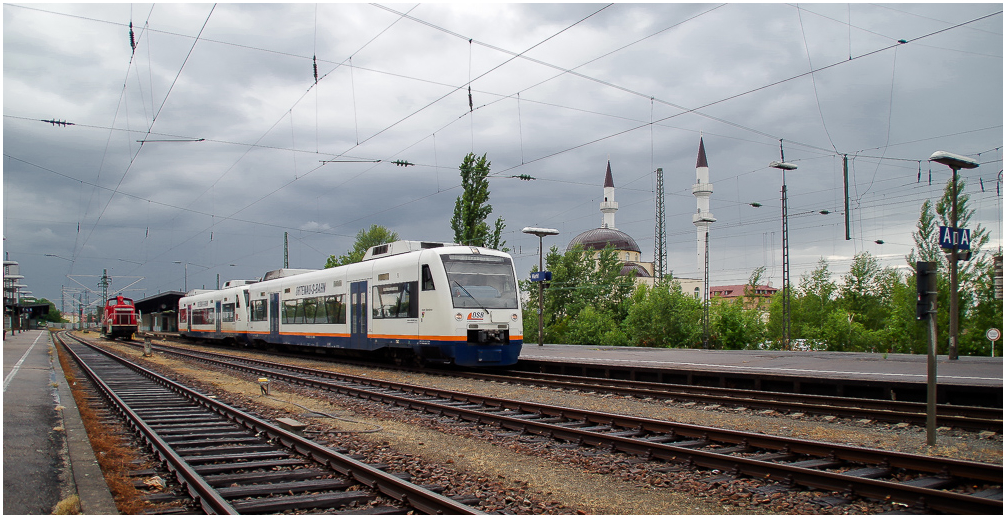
247 88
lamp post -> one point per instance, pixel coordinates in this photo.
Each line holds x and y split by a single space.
186 286
784 166
541 233
955 163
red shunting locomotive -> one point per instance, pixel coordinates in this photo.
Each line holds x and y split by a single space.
119 318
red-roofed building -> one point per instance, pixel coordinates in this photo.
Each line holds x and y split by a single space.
735 291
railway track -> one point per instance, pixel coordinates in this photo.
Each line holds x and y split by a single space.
928 483
964 417
231 462
974 418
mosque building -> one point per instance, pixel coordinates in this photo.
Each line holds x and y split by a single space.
628 252
625 246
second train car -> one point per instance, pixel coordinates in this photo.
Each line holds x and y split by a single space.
434 302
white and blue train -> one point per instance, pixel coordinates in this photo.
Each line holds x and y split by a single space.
432 302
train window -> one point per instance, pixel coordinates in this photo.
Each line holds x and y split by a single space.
203 316
335 308
310 310
258 311
293 311
227 313
395 301
481 281
427 278
314 310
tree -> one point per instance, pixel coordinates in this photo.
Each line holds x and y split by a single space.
586 300
815 299
734 326
971 275
472 208
662 316
365 238
53 316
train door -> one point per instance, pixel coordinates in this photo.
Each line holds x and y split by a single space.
274 317
188 319
218 316
358 315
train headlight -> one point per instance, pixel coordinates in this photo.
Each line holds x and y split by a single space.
513 317
458 316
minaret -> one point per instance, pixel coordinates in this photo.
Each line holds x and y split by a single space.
702 217
609 205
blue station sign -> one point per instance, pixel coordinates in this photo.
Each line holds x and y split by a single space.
959 238
541 276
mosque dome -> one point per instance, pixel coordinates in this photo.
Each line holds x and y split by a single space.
598 238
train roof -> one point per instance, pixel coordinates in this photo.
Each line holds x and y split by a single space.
401 247
285 272
239 282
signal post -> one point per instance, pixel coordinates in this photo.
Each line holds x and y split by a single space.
925 309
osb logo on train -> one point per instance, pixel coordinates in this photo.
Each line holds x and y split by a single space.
477 315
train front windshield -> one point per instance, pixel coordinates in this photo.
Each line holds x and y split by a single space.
481 281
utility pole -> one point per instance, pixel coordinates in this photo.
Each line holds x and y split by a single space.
783 166
845 178
286 250
659 233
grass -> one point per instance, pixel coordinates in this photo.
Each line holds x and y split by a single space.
115 456
68 505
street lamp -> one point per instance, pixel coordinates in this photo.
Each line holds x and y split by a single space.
956 163
540 232
784 166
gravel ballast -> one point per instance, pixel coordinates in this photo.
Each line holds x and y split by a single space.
520 474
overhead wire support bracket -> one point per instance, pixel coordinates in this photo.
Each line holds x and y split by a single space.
350 161
144 141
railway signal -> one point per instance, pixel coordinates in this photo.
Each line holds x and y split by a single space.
925 285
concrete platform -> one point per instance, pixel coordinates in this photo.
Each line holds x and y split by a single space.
46 454
967 370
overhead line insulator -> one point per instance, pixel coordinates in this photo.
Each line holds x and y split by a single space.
55 122
132 38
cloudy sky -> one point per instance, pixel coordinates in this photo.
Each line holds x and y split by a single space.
212 138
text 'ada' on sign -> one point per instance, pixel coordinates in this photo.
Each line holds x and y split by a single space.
959 238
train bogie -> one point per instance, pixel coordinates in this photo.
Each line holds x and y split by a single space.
425 301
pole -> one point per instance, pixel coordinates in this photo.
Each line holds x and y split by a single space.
541 299
845 177
931 380
785 266
952 353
